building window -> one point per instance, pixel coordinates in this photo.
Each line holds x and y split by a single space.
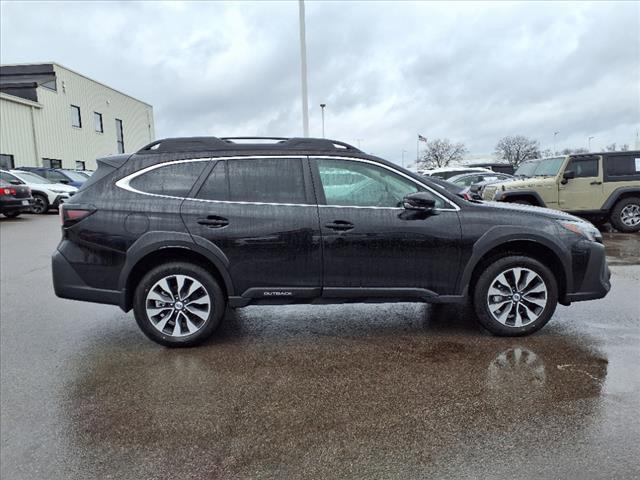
119 136
97 122
80 165
6 162
76 119
51 163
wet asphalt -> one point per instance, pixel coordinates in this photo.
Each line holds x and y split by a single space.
354 391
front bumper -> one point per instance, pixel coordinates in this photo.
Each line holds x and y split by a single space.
594 280
59 200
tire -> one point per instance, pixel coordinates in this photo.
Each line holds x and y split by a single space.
40 204
12 214
625 215
196 324
533 303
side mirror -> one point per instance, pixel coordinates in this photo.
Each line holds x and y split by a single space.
421 201
568 175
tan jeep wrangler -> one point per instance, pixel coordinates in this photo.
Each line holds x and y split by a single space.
598 186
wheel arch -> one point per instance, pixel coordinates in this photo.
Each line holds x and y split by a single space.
619 194
531 195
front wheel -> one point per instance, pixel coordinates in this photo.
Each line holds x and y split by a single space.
178 304
515 296
40 204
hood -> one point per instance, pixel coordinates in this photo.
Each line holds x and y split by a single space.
530 209
525 183
61 186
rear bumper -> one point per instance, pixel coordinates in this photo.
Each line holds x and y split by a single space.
16 205
596 281
68 284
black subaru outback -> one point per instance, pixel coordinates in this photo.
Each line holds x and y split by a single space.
186 227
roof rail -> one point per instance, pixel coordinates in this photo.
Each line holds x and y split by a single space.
205 144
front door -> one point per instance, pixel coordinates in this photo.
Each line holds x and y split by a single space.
262 215
584 192
370 241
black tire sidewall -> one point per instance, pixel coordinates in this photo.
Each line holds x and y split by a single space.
487 277
179 268
616 220
45 202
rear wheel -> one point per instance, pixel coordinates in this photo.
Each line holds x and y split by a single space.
40 204
625 215
12 214
178 304
515 296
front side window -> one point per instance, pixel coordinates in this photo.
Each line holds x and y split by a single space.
359 184
174 180
266 180
76 118
119 136
583 167
97 122
55 177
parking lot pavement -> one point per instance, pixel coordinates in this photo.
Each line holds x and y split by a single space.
354 391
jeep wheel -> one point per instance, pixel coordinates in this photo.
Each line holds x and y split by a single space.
515 296
522 201
625 215
178 304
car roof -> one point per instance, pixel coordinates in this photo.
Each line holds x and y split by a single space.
457 169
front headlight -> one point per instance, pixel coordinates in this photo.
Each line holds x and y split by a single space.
582 228
58 191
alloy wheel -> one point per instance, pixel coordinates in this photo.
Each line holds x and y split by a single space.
38 205
630 215
517 297
178 305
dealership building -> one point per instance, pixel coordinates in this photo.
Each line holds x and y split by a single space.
54 117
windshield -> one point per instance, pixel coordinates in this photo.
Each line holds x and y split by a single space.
75 176
31 177
526 169
548 167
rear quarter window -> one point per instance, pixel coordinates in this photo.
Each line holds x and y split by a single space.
622 167
174 180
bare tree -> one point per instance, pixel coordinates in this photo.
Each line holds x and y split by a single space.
516 149
624 148
441 152
610 148
569 151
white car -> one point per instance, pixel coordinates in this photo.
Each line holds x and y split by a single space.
447 172
46 194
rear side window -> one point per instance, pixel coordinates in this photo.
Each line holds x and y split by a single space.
174 180
216 186
584 167
266 180
622 167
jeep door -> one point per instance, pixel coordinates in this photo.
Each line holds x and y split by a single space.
260 214
371 242
585 191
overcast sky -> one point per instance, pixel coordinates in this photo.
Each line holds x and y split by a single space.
387 71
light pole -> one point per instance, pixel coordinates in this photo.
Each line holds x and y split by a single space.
555 134
590 143
303 70
322 105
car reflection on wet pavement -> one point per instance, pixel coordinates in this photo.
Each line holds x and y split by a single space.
341 391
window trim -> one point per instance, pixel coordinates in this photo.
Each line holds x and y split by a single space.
79 116
124 182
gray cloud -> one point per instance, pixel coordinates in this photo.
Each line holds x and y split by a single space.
470 72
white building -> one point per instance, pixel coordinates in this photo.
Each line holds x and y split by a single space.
52 116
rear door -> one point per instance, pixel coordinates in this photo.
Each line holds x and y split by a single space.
261 214
585 191
371 242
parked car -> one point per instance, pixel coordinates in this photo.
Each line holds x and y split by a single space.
46 194
185 227
449 187
86 173
496 167
598 186
14 198
475 179
446 172
58 175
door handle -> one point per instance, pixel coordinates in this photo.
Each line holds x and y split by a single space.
596 183
213 221
340 225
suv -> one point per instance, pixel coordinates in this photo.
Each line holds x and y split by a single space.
599 186
185 227
58 175
46 194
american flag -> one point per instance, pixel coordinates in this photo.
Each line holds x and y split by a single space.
421 138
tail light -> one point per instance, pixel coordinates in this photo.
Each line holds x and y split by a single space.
72 214
8 191
466 196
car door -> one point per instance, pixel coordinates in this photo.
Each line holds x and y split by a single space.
260 214
371 242
585 191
